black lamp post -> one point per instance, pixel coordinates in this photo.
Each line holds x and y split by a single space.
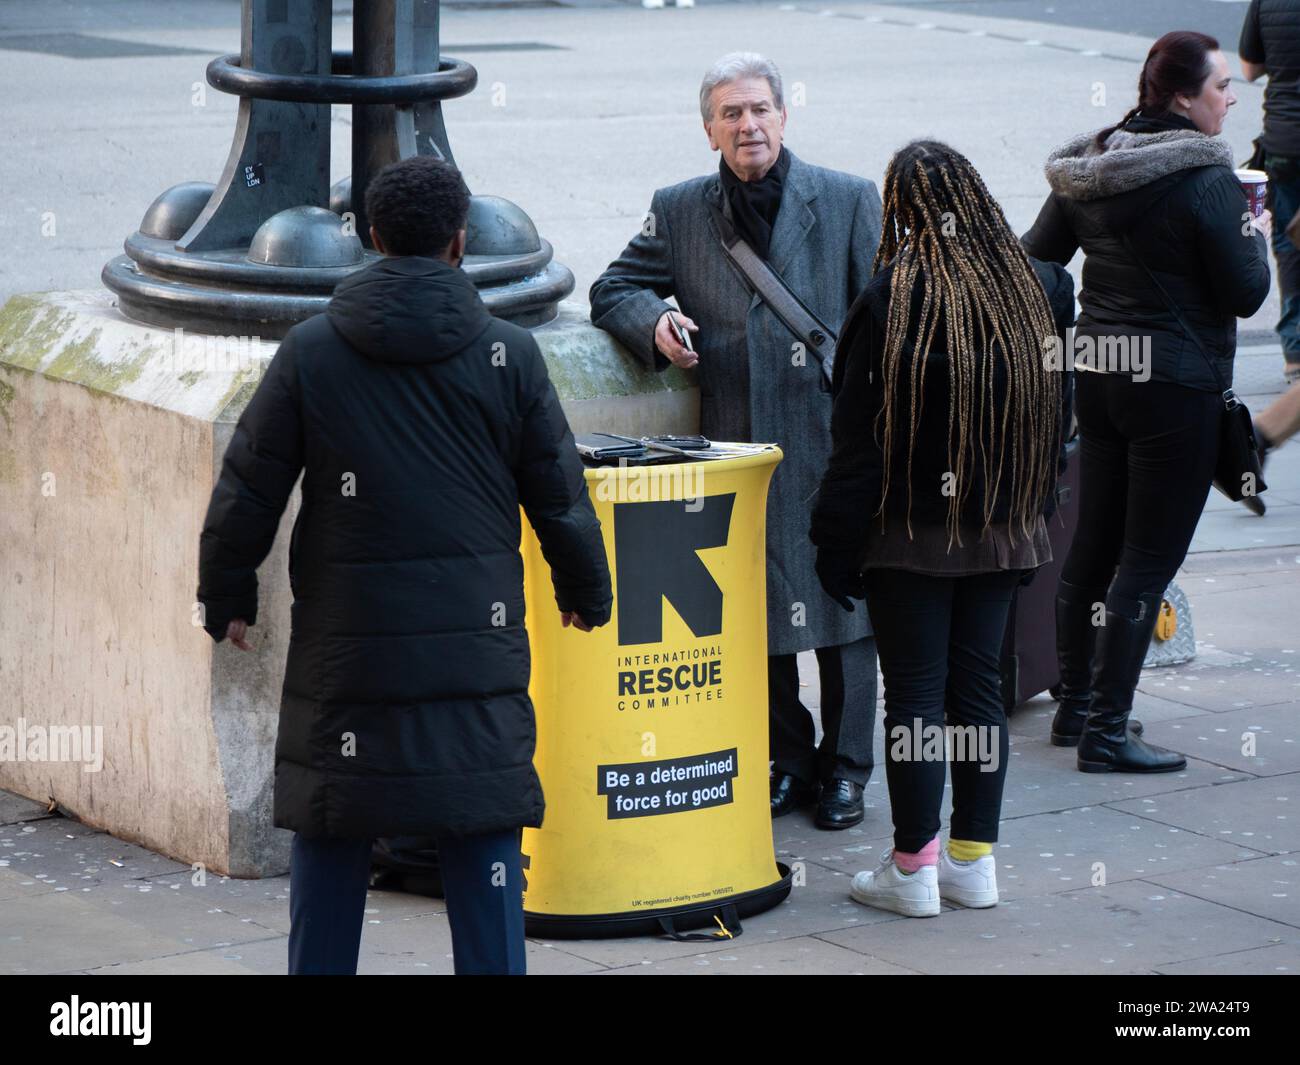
264 247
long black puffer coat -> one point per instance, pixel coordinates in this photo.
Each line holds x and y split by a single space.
421 424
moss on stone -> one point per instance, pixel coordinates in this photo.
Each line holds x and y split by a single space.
242 387
76 362
30 327
8 466
582 365
6 398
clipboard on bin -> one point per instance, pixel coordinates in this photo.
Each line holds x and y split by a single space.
605 449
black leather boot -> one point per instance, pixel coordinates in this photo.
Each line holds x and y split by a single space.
1107 745
1076 641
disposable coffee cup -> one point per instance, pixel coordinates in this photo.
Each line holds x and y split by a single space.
1255 184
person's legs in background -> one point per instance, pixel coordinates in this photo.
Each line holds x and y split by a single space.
1093 555
980 745
482 877
848 711
791 734
1284 194
327 900
910 615
1173 435
1280 420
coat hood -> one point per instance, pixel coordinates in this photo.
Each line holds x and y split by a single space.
408 309
1079 170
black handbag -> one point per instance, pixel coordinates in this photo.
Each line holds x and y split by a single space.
1239 471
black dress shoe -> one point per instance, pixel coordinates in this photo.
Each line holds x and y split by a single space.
789 792
840 805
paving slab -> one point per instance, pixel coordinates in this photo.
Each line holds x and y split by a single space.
1280 960
804 956
1032 719
415 946
821 904
1261 740
1116 929
1267 887
1072 849
221 961
51 932
1255 813
1226 530
1218 688
15 809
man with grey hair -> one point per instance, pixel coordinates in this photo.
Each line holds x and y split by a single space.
818 229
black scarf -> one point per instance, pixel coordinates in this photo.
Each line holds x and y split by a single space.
1159 123
754 204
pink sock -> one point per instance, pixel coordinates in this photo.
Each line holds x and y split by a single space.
927 855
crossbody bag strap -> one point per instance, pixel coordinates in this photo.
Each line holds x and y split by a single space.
1230 400
771 288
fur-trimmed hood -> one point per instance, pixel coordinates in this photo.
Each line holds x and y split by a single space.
1079 170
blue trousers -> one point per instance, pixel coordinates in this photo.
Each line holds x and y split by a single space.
482 879
1284 193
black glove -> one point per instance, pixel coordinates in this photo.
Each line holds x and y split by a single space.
840 577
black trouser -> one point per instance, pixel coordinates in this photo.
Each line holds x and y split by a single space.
940 641
848 711
1147 456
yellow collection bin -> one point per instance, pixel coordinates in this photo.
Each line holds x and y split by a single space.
652 731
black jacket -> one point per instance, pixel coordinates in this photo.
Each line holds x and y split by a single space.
420 424
1173 190
851 488
1270 35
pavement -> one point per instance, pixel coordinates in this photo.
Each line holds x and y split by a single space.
1193 872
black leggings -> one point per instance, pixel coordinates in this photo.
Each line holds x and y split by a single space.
940 645
1147 456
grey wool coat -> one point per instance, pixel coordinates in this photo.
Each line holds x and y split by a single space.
753 384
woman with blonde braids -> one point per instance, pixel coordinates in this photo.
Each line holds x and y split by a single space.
947 430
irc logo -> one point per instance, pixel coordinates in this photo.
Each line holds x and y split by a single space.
655 547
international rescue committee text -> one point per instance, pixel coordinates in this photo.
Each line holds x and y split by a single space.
670 678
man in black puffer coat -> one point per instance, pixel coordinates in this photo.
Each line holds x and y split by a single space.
420 425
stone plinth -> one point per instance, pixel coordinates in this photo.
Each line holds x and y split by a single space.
111 436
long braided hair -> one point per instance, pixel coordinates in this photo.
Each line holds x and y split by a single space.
946 234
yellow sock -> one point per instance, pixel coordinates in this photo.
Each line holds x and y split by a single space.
965 850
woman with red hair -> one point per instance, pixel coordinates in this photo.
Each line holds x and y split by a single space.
1172 257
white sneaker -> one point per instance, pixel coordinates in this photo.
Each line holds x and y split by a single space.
889 888
973 884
